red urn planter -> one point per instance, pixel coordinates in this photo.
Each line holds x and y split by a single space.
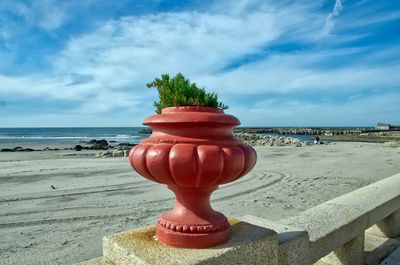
192 150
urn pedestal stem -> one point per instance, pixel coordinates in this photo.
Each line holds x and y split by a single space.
194 202
192 223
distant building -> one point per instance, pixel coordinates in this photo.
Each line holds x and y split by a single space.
386 127
382 126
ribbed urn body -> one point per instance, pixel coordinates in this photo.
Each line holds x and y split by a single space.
192 150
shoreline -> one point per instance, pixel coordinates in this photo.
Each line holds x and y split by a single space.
93 144
104 145
29 141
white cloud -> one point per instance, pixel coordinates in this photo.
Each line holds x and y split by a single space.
291 73
358 111
369 20
49 15
89 97
331 19
45 14
194 41
121 56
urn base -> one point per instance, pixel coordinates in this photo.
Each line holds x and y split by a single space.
192 223
191 240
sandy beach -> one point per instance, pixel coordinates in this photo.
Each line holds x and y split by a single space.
93 197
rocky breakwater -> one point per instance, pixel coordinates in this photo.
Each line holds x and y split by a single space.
270 140
304 131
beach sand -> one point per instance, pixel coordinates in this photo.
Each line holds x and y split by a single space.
94 197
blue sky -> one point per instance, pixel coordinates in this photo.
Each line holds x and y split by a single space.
275 63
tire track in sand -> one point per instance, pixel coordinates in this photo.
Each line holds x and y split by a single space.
73 193
75 219
275 177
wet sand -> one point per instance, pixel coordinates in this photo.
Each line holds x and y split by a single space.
94 197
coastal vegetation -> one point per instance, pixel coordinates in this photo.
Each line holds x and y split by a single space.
178 91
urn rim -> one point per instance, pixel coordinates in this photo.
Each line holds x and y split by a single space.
192 115
179 109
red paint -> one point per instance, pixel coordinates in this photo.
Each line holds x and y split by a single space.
192 150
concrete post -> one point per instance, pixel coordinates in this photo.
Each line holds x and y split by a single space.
388 227
248 244
351 253
293 243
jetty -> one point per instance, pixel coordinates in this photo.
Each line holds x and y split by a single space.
295 130
329 131
305 130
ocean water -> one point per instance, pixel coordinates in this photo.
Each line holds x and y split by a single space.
12 137
70 136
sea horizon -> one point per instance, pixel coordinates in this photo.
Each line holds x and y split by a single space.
142 126
31 136
43 136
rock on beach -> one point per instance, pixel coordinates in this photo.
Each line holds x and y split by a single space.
121 150
254 139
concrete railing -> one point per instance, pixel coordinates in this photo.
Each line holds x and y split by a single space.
335 232
336 229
